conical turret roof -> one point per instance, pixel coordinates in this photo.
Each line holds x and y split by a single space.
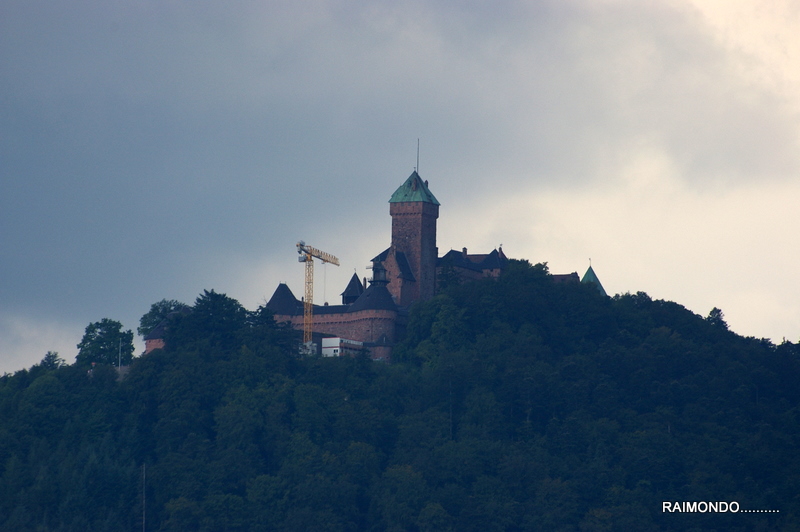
283 301
353 290
414 189
591 277
376 297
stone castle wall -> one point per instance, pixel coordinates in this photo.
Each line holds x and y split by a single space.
363 326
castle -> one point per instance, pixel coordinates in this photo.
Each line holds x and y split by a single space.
409 270
404 273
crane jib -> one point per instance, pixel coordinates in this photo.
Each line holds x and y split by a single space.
307 255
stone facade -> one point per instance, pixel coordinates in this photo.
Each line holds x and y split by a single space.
368 326
413 235
153 343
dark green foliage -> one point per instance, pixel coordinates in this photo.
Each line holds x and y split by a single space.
514 404
51 361
104 342
215 321
717 318
158 312
447 276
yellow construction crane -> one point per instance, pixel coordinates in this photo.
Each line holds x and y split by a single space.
307 255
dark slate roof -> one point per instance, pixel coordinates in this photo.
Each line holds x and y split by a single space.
489 261
405 267
566 277
382 256
354 288
414 190
456 258
495 259
158 331
283 301
591 277
328 309
402 263
376 297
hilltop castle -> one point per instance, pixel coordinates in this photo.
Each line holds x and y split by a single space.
402 274
408 271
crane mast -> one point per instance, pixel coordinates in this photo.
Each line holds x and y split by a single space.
307 255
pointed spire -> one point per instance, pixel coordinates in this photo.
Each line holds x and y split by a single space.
591 277
353 291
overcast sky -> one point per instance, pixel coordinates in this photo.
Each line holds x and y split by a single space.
151 150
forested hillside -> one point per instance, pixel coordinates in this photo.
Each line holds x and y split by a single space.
515 404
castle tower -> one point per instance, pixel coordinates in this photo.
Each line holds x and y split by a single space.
411 260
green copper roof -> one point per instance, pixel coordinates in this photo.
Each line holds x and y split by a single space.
591 277
414 189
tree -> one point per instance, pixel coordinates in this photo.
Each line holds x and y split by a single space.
157 313
218 317
717 318
51 361
104 342
447 275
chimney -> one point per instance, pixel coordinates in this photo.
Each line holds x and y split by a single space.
464 252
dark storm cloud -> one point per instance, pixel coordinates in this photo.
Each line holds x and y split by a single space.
147 147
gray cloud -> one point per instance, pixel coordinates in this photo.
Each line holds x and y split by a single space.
147 148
